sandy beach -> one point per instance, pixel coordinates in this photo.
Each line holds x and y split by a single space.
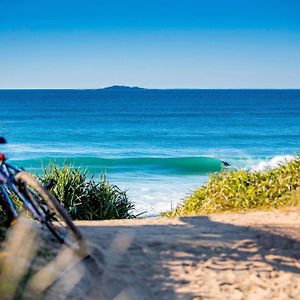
234 256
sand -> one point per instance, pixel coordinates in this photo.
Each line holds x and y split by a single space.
230 256
235 256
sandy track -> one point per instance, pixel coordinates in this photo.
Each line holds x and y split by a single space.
234 256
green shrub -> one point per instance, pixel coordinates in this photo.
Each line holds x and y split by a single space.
70 186
242 190
85 199
105 201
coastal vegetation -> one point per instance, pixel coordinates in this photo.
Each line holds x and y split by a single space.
241 190
84 197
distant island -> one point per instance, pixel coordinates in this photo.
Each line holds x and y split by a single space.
122 88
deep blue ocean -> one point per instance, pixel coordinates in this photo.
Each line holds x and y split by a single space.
157 144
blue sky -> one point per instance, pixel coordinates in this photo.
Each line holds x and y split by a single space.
162 44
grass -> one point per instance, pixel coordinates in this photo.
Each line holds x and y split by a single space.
114 202
244 190
70 186
86 199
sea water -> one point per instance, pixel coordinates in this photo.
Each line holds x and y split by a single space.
157 144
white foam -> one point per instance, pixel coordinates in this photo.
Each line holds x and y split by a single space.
273 163
155 196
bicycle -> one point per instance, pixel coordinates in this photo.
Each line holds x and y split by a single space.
42 205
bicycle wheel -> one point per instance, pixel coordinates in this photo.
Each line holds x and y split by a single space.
57 219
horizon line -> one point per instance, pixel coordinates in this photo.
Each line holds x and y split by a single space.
137 88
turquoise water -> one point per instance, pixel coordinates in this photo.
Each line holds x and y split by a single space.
154 165
158 144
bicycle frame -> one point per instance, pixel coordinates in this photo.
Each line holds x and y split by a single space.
7 180
43 206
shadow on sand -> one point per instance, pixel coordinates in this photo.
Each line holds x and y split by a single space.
149 261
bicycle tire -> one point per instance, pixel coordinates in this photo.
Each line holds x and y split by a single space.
40 197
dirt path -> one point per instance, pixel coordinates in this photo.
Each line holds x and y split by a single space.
229 256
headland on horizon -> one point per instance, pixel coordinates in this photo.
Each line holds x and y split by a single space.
122 88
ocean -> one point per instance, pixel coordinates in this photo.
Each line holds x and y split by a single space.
159 145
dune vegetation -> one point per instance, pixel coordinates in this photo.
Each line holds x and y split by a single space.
240 190
84 197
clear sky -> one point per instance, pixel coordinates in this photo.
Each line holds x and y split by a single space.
153 43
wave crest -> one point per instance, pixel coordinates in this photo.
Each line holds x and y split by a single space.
168 165
273 163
